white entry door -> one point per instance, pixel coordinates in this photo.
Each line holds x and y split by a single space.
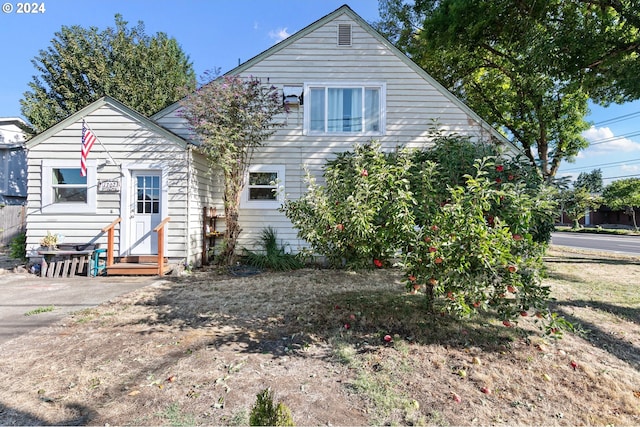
146 213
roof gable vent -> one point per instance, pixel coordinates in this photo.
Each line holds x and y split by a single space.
344 34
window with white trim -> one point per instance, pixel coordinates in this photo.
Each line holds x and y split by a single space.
345 108
263 189
65 190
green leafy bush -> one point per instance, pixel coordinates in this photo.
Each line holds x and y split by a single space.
466 224
273 255
265 413
360 217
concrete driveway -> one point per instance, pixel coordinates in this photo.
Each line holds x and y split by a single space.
22 293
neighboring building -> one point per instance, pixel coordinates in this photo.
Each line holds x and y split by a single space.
13 162
344 84
604 216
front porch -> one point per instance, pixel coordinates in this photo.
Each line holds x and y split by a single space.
136 265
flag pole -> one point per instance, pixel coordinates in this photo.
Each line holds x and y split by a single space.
100 142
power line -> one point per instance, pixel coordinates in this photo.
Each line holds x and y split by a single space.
602 164
613 138
617 119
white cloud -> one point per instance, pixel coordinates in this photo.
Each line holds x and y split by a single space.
279 34
630 168
604 140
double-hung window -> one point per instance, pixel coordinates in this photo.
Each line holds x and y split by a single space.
65 190
347 108
263 189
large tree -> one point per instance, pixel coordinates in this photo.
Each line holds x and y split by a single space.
528 67
83 64
231 117
623 194
591 181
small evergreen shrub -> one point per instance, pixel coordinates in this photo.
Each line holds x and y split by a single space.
264 413
18 247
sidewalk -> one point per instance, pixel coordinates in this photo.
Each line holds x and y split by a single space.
21 293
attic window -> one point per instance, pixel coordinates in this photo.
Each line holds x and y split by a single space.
344 34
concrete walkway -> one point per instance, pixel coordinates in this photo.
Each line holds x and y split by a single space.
21 293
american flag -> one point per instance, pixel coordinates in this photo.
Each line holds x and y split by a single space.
88 139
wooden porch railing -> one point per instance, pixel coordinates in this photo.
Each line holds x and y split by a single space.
109 229
160 230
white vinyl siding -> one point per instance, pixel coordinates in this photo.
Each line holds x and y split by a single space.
122 140
410 106
205 191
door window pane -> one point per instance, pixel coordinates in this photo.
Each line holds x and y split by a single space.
148 194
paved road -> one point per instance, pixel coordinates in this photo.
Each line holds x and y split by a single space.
600 242
21 293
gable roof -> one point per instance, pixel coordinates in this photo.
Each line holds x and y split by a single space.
94 106
346 10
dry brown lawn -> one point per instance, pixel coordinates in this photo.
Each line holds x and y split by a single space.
197 350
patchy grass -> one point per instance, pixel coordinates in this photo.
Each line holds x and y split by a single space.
173 416
197 350
40 310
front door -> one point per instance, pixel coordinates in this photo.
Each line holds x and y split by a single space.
146 213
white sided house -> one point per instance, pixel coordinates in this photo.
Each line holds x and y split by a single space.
343 83
139 176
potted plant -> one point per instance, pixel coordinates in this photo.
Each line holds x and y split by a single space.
49 241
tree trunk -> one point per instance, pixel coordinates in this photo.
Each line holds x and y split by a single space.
227 255
430 298
232 193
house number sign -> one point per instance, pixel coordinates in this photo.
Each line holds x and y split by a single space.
109 186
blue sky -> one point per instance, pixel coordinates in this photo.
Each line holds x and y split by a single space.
220 33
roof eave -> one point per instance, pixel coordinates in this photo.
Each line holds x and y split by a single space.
94 106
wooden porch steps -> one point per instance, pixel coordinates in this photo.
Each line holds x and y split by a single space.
141 265
138 265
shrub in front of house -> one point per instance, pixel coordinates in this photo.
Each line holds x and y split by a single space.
467 230
361 215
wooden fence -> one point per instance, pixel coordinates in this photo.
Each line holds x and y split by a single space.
13 221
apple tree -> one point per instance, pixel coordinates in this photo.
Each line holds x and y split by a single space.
469 230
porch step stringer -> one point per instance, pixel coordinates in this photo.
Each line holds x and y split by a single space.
141 265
